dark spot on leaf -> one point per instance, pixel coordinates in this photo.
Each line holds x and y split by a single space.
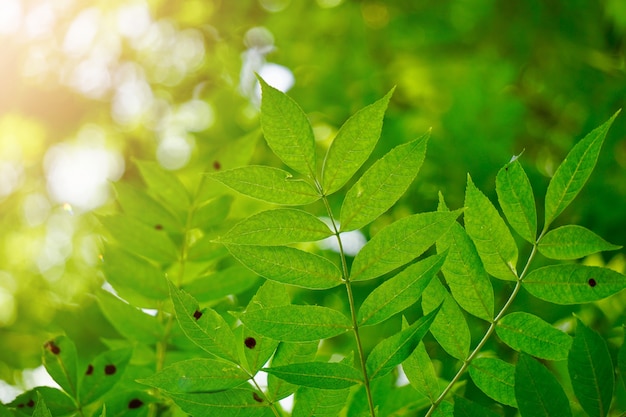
158 226
89 370
52 347
257 398
250 342
31 403
20 406
507 168
197 314
217 165
135 403
110 369
592 282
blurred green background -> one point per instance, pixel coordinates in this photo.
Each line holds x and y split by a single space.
87 86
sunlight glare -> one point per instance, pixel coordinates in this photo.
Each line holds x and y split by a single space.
10 16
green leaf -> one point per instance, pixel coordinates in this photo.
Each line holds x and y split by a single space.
392 351
527 333
492 238
449 328
212 212
277 227
573 284
572 242
296 323
206 328
40 409
399 292
288 265
128 403
288 353
102 374
382 184
268 184
323 375
166 186
228 281
58 402
591 371
466 408
139 205
353 144
445 409
140 239
197 375
128 320
574 171
400 243
237 402
621 361
517 200
537 390
464 272
495 378
61 361
287 130
311 402
420 372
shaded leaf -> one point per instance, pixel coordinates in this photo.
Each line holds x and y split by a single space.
323 375
399 292
382 184
537 390
572 242
445 409
400 243
40 409
573 284
138 204
287 130
466 408
166 186
288 353
420 372
61 361
288 265
211 213
268 184
495 378
621 361
353 144
236 402
102 374
492 238
128 320
229 281
277 227
591 371
310 402
574 171
517 200
58 402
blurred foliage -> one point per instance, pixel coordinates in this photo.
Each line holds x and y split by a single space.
170 80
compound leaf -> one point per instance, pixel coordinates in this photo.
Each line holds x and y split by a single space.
102 374
323 375
233 280
517 200
495 378
287 354
311 402
236 402
57 402
572 242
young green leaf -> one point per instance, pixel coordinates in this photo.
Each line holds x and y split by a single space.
139 205
323 375
574 171
166 186
311 402
40 409
296 323
466 408
464 272
288 265
268 184
197 375
517 200
399 292
449 328
205 328
495 378
277 227
228 281
392 351
211 213
382 184
572 242
527 333
573 284
287 354
353 144
420 372
102 374
537 391
236 402
400 243
61 361
492 238
591 371
287 130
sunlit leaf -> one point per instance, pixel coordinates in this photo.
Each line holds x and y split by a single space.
57 402
287 354
41 410
574 171
517 200
591 371
492 238
573 284
445 409
400 243
288 265
382 184
537 391
319 402
227 281
212 212
268 184
528 333
323 375
138 204
287 130
61 361
495 378
399 292
353 144
420 372
102 374
166 186
572 242
237 402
